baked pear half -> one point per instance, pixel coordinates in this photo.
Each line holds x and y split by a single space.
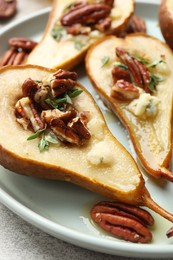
166 21
74 25
134 77
52 128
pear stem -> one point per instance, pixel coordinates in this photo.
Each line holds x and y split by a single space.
150 203
167 174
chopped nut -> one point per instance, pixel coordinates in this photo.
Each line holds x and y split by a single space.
119 73
64 74
124 90
84 115
25 109
63 132
79 127
61 86
41 95
77 29
48 115
29 88
104 25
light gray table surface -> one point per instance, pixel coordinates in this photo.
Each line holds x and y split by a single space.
20 240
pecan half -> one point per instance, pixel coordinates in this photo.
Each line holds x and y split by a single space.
169 233
85 14
136 24
22 43
6 56
123 221
138 70
7 8
18 52
20 58
124 90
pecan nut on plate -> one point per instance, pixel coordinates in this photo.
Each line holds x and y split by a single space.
18 51
7 8
136 24
123 221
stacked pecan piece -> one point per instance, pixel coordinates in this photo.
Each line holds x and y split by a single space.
46 107
129 76
18 51
123 221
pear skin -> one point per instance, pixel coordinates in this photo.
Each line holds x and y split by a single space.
166 21
116 176
152 136
65 53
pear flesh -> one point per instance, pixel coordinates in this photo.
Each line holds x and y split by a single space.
152 136
65 53
114 175
102 164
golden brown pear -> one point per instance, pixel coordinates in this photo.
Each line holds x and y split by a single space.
67 50
166 21
101 165
148 117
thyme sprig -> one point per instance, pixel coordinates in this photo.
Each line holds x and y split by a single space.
147 62
64 99
47 137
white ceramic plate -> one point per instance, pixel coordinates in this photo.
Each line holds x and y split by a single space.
62 209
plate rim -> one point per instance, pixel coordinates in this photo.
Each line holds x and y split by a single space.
75 237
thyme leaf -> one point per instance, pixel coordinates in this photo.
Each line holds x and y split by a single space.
51 138
46 139
155 63
147 62
154 80
74 92
105 60
140 59
43 144
68 6
65 99
36 134
121 66
79 45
